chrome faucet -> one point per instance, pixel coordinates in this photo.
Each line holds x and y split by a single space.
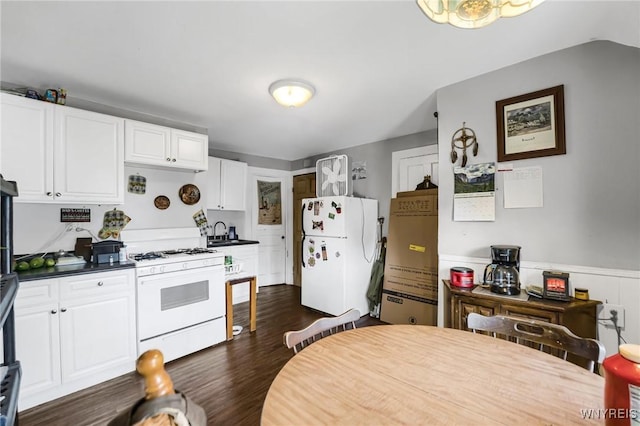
214 230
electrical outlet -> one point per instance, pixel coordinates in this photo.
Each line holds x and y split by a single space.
606 313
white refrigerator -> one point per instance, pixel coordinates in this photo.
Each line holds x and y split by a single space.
338 251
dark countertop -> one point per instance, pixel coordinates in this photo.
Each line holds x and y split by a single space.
61 271
229 243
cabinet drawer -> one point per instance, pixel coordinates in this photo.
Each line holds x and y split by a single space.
529 313
95 285
39 292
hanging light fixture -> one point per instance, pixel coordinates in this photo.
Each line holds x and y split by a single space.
474 13
291 93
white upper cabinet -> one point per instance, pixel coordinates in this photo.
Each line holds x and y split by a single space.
88 157
152 145
189 150
26 153
147 143
59 154
227 184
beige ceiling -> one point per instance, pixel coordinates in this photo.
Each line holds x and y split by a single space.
376 65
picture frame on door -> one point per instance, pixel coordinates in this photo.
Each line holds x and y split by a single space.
531 125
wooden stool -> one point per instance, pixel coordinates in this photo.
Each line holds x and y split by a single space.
252 303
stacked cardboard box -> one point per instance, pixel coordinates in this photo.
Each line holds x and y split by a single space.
410 286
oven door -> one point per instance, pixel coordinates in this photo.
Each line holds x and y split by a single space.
175 300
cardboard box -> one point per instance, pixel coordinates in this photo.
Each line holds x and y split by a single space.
411 265
396 309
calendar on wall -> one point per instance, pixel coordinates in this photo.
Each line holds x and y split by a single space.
474 196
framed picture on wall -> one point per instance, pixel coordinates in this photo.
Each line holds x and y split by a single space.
531 125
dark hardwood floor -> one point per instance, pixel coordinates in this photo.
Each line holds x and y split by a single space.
229 380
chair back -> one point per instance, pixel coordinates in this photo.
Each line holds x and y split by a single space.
298 339
542 334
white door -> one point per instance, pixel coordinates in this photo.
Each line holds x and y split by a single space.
27 146
233 183
88 157
147 143
38 347
323 278
324 216
409 167
268 222
95 336
189 150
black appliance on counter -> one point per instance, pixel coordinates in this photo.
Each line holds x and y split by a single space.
503 274
10 370
106 251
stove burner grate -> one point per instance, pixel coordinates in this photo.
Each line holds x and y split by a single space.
147 256
168 253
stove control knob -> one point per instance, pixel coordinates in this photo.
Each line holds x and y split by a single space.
161 268
185 266
152 270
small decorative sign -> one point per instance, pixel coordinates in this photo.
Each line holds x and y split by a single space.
75 215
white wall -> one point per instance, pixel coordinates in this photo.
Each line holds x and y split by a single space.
35 224
591 215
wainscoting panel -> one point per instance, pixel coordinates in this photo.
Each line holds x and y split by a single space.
614 286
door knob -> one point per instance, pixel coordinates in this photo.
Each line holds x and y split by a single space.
63 310
282 237
53 311
168 159
49 194
58 194
173 160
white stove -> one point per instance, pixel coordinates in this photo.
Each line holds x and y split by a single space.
158 262
180 291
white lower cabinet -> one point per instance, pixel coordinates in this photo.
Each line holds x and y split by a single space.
74 332
244 263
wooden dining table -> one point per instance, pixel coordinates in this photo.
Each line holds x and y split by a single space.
412 374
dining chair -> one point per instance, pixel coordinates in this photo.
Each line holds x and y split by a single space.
542 334
162 405
299 339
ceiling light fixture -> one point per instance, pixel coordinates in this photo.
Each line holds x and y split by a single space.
474 13
291 93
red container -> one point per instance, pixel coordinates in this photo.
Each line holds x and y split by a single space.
461 276
622 386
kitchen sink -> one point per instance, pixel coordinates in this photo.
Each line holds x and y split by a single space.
222 243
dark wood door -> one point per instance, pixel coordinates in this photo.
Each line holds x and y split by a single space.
304 186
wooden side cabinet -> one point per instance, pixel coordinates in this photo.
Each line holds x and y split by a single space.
577 315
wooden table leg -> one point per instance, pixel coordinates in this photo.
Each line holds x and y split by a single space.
252 300
229 301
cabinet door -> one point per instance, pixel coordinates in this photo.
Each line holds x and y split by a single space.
214 201
88 157
96 336
467 308
233 181
38 347
529 313
189 150
147 143
26 154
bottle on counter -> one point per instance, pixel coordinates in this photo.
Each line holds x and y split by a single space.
122 254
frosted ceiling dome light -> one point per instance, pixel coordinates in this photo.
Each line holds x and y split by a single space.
474 13
291 93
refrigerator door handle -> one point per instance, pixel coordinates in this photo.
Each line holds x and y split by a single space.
303 236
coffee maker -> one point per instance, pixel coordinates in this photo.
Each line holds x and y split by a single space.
503 274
